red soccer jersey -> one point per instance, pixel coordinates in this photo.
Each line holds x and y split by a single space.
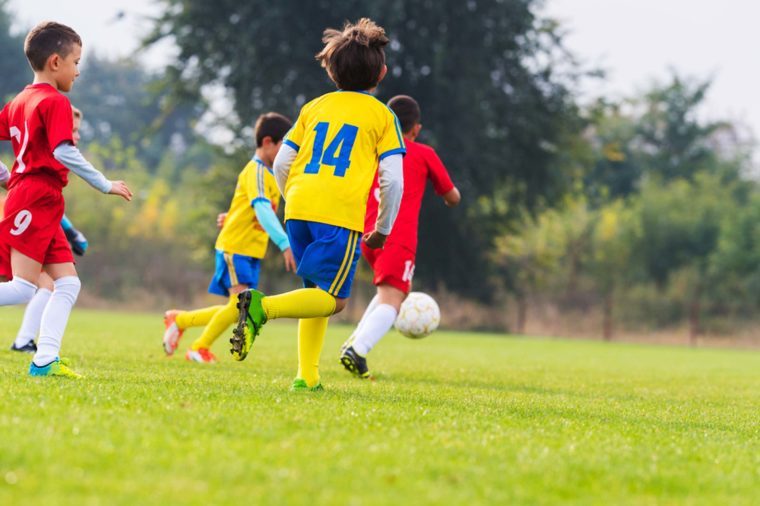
420 164
36 121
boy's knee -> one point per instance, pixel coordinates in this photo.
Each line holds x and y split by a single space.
23 290
68 287
340 304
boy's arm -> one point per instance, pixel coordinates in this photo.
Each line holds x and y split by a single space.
391 179
70 156
5 175
76 239
442 183
271 224
281 166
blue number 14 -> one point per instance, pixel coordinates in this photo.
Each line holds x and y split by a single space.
337 153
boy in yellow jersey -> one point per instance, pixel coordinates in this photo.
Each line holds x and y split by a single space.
324 170
250 222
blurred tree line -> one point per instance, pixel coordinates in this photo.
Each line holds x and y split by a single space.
635 208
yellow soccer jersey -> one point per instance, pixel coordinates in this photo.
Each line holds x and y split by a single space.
242 234
340 137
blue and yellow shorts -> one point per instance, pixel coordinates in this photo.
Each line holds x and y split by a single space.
231 270
326 255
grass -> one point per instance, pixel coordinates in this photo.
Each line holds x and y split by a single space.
452 419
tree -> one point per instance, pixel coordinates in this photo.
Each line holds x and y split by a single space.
489 76
14 69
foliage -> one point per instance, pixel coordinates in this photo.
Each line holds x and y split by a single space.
489 76
14 69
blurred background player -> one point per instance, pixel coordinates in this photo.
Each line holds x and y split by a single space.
38 122
30 324
393 265
246 229
324 170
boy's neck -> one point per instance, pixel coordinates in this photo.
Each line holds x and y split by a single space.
260 155
410 137
44 78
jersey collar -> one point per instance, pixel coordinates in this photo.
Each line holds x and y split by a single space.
260 162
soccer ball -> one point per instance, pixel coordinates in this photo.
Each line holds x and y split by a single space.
419 316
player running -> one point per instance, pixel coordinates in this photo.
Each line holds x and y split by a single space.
393 265
242 243
324 170
38 123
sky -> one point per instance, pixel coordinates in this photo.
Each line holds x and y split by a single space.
635 41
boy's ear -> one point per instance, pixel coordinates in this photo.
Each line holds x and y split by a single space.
54 61
267 141
383 72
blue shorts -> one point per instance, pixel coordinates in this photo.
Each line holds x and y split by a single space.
326 255
234 270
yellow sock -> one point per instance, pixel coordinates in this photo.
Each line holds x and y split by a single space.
311 339
303 303
196 318
222 319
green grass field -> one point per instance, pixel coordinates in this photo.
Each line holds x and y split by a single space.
452 419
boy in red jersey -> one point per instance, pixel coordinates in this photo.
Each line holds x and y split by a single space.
394 264
38 124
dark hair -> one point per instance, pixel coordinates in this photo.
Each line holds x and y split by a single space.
49 38
354 57
407 110
271 124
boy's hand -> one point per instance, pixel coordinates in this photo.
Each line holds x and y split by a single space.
290 261
121 189
374 239
220 219
452 197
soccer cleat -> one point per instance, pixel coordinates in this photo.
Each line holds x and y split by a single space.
29 347
299 385
354 363
54 368
173 333
252 317
202 355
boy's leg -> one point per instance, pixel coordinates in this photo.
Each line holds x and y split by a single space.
222 319
30 325
311 339
197 317
55 317
22 287
380 321
370 307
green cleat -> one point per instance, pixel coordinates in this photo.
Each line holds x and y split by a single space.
55 368
299 385
252 318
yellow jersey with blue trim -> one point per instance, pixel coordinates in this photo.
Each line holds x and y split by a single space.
242 234
340 138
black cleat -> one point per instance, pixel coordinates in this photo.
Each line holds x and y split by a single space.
354 363
29 347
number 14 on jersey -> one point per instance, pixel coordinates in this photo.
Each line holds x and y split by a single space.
338 152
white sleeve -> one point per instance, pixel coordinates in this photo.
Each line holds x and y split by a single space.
72 159
391 179
281 166
4 174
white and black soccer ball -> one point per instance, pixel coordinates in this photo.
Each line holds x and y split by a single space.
419 316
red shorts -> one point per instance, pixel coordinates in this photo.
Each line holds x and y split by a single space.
393 265
32 223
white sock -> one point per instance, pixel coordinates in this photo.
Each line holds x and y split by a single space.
54 319
374 328
370 307
30 325
16 291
